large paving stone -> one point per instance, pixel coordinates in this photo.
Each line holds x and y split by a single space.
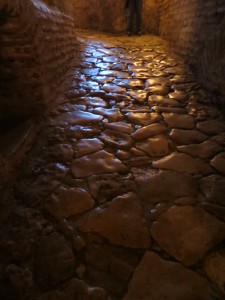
148 131
157 81
87 146
95 102
116 139
105 187
112 88
179 120
214 265
139 95
77 118
75 289
156 146
162 109
203 150
54 260
118 126
143 118
187 233
186 137
164 186
158 279
112 114
182 162
211 126
213 187
219 162
121 222
179 96
163 101
97 163
159 89
66 202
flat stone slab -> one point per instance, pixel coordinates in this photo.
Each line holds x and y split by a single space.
118 126
218 162
179 121
77 118
156 146
157 81
176 110
113 88
158 279
87 146
97 163
142 118
203 150
112 114
148 131
182 162
179 96
117 139
211 126
120 221
187 233
186 137
55 260
214 266
163 101
159 89
67 202
95 102
164 186
139 95
213 187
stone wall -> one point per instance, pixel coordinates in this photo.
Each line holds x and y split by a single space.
197 29
110 15
37 48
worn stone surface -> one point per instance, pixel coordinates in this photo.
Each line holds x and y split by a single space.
213 187
163 101
179 120
203 150
117 139
214 265
54 260
148 131
211 126
114 223
181 231
143 118
100 162
156 146
156 279
106 170
66 202
87 146
185 137
219 162
183 163
175 185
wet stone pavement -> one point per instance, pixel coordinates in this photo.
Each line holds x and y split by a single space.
122 197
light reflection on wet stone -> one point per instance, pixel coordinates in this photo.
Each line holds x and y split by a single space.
97 163
143 118
87 146
133 136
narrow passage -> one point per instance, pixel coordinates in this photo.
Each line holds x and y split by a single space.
122 197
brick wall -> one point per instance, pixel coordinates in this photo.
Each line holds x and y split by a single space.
197 29
37 48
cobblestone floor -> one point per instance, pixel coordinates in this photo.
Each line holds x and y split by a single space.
123 195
